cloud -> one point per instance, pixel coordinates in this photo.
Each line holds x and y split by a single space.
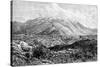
86 15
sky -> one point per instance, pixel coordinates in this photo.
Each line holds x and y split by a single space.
26 10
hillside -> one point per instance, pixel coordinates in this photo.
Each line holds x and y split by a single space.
52 41
65 27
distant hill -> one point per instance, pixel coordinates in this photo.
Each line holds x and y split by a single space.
65 27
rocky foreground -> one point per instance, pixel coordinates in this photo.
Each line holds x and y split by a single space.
47 49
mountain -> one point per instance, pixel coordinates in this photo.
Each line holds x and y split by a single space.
65 27
72 28
16 26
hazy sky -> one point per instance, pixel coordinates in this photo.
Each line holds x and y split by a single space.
25 10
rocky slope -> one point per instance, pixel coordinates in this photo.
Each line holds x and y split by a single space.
65 27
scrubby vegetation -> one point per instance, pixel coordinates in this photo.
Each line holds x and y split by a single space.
38 52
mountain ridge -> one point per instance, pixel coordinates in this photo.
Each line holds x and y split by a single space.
65 27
